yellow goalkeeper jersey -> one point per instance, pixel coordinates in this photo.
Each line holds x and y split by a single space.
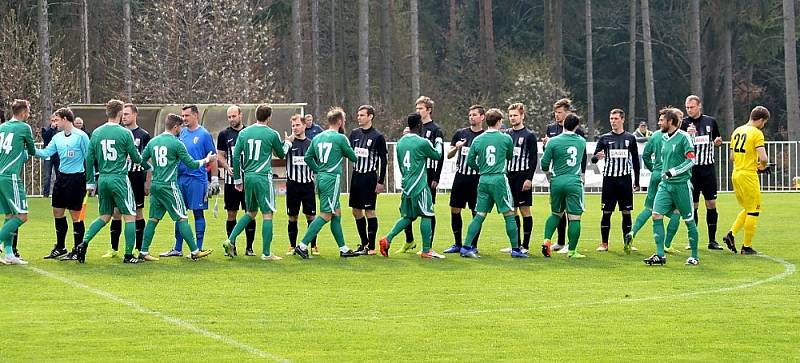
744 142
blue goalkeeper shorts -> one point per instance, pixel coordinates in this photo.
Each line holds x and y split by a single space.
195 192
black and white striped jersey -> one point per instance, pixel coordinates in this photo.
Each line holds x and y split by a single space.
140 139
526 151
554 129
296 168
431 131
370 148
622 154
467 135
226 140
706 131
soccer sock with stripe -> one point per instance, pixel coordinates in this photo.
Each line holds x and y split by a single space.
658 234
696 217
266 237
477 235
78 229
200 226
314 240
427 234
130 237
519 227
511 231
550 226
562 230
473 230
527 227
292 230
147 236
711 220
61 232
641 219
672 229
140 224
241 224
95 227
574 234
692 236
750 228
312 231
400 225
605 226
626 223
178 238
361 226
456 224
7 234
250 233
336 230
186 232
409 234
372 231
115 230
739 222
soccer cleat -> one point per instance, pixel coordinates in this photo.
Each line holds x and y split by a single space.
407 247
467 252
692 261
131 259
730 241
547 249
518 254
505 250
672 251
147 257
361 250
384 247
563 251
453 249
523 249
749 251
634 249
271 257
290 251
655 260
301 252
2 260
713 245
558 247
372 252
603 247
71 256
348 253
110 254
431 254
199 254
315 251
249 252
171 253
14 260
56 253
80 252
575 254
230 248
626 246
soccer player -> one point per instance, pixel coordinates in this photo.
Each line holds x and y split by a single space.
165 151
413 153
72 145
465 182
560 157
675 190
369 177
706 135
488 155
431 131
111 145
139 179
749 158
299 183
622 153
325 158
194 182
16 139
520 171
651 157
561 108
312 129
252 157
234 199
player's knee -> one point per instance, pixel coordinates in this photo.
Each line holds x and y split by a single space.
711 204
156 220
198 214
58 213
23 217
573 217
293 218
455 210
525 211
358 213
370 213
264 216
232 215
657 216
326 216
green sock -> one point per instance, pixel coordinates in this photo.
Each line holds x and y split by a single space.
130 237
95 227
474 228
336 230
6 233
241 224
574 234
313 230
266 237
511 231
188 236
641 219
550 226
672 229
692 236
658 234
149 232
399 226
427 234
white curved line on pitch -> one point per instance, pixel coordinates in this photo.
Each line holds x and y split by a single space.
170 319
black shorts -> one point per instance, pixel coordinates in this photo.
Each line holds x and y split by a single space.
69 190
617 190
138 178
521 198
431 175
362 191
234 199
465 191
300 194
704 179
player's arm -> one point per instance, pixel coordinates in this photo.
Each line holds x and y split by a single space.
434 151
599 151
210 149
237 157
509 148
647 156
90 165
147 153
455 145
686 165
382 153
130 148
347 151
716 136
188 160
472 155
222 157
533 155
278 146
47 152
440 161
633 149
547 158
310 157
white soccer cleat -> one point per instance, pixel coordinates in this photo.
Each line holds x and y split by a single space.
563 251
12 260
271 258
506 250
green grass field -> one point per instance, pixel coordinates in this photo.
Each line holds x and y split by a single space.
607 307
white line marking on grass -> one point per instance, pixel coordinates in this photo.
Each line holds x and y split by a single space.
170 319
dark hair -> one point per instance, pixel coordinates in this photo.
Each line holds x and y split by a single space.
414 121
113 108
759 113
370 110
571 122
618 111
671 115
65 113
172 121
2 116
335 114
493 116
132 107
193 108
481 110
263 112
20 105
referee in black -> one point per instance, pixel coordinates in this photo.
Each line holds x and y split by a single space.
369 177
706 135
465 183
520 173
621 152
299 182
233 199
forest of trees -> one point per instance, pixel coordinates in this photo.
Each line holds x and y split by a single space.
638 55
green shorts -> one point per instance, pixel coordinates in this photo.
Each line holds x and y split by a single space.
672 197
259 194
166 198
328 191
566 193
652 189
114 191
12 195
420 205
494 189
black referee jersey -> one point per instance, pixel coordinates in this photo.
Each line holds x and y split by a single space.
707 131
622 154
296 168
431 131
370 148
526 152
226 141
468 136
140 139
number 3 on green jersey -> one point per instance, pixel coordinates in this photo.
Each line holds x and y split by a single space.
573 156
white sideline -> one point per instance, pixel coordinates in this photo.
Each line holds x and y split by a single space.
170 319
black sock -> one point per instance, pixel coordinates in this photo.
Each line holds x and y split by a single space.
372 230
626 223
409 234
14 242
456 224
519 229
711 219
605 226
361 226
562 230
140 223
292 233
313 241
78 230
116 230
527 227
696 219
433 227
250 233
61 232
229 227
477 235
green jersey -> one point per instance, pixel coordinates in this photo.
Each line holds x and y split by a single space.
563 154
111 146
16 145
256 144
677 156
652 152
489 152
166 151
413 152
327 151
